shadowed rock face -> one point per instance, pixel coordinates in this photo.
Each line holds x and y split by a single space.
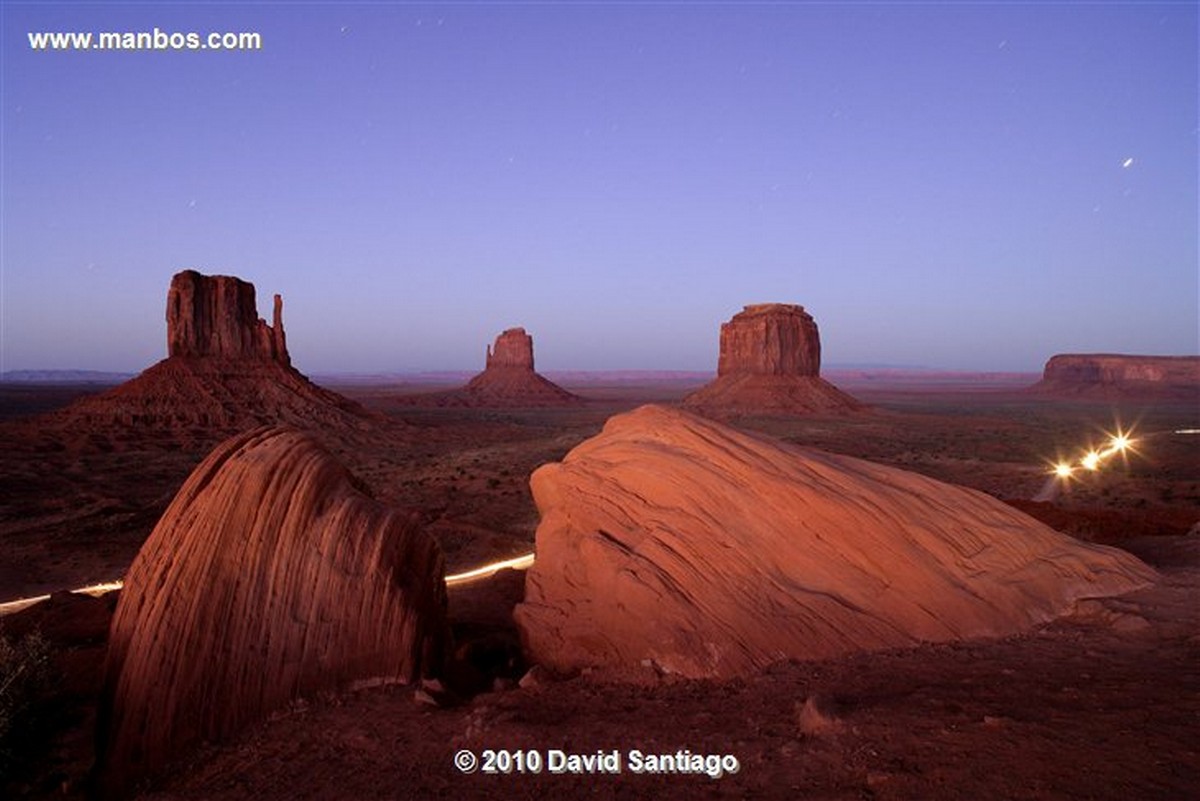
270 577
770 363
673 540
1111 375
216 315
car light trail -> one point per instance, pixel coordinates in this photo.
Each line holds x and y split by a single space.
521 562
94 590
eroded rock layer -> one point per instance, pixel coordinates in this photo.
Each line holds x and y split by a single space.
770 363
1106 375
271 576
674 541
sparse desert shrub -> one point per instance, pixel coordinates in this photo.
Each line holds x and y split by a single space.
24 673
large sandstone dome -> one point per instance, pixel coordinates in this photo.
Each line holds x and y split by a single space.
676 541
271 576
770 363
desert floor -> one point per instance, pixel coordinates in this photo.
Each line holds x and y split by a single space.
1105 704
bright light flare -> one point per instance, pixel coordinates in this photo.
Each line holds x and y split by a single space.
1119 443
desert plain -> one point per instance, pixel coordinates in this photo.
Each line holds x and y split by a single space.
1102 703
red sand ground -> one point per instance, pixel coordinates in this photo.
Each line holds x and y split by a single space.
1104 705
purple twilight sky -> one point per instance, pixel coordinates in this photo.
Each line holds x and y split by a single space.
959 185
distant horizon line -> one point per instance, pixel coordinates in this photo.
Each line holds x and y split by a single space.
81 375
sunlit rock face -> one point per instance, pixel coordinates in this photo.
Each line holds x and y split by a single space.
226 371
673 541
271 576
509 379
770 363
770 339
1112 375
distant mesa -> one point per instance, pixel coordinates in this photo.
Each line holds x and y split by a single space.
1109 376
217 316
507 381
674 542
513 348
226 371
770 363
271 576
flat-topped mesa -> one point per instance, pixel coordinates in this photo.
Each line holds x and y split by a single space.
513 348
770 363
217 315
770 339
1107 374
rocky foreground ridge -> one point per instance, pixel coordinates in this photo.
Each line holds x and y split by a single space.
676 542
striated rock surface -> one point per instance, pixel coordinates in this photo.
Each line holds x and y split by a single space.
508 380
226 371
770 363
270 577
1106 375
675 541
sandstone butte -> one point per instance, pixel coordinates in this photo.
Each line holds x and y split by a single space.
271 576
507 381
1109 375
675 541
226 370
770 363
